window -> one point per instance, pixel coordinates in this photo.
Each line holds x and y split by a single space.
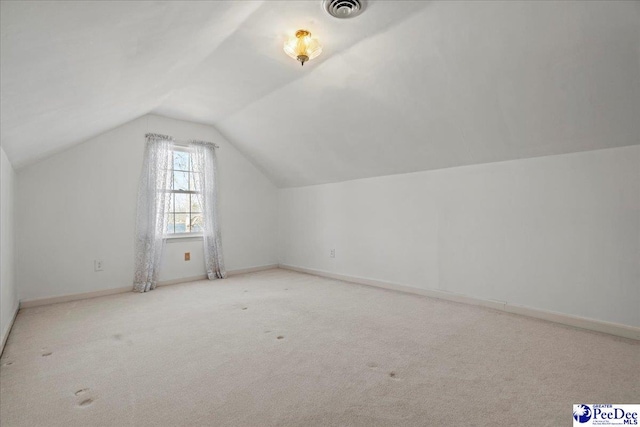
185 212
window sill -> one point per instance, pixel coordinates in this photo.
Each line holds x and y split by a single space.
184 237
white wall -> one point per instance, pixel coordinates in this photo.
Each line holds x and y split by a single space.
8 292
558 233
79 205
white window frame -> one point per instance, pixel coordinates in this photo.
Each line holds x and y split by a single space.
186 235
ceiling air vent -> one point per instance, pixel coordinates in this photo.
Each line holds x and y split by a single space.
343 8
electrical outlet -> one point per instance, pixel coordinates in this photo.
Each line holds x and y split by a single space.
332 253
97 265
187 256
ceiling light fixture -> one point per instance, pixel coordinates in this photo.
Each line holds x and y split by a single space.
302 47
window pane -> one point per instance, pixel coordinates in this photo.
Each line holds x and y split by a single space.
182 203
181 160
170 224
195 203
181 181
196 223
195 181
181 223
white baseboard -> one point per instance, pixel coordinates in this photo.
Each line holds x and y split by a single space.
617 329
251 269
84 295
183 280
72 297
6 333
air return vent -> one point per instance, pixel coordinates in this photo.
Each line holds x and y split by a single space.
343 8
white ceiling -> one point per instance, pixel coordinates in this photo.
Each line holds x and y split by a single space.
406 86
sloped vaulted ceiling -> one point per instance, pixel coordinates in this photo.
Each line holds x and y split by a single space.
406 86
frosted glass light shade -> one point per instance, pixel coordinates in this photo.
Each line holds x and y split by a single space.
302 47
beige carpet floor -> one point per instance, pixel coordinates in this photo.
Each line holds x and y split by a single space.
279 348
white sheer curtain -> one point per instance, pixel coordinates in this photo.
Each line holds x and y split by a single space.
205 168
153 204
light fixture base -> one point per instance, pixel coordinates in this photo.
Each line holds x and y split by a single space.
302 59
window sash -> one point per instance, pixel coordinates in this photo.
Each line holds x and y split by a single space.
188 213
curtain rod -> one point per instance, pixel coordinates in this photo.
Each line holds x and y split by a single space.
183 143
